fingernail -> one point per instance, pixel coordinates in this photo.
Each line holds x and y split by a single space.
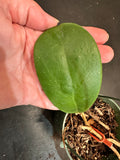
57 20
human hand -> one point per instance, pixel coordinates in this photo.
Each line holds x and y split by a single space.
21 23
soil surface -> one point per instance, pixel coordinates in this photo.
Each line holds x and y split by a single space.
79 139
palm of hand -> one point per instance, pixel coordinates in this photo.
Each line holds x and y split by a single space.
18 83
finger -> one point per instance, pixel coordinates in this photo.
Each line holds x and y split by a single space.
39 19
100 35
106 53
29 13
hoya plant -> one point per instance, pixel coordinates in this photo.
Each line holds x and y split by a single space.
68 66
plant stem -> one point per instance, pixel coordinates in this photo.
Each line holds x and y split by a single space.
98 120
88 127
115 151
114 141
84 119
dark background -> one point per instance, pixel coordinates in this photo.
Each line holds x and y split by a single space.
31 133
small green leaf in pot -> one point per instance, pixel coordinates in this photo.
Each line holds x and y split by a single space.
68 66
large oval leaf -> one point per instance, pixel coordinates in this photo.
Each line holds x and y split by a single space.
68 66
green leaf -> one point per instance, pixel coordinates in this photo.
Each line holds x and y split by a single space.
68 66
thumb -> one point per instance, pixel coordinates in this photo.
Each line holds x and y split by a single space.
39 19
29 13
